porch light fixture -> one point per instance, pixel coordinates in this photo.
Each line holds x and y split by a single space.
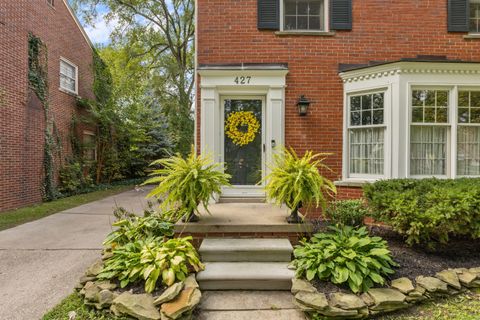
302 105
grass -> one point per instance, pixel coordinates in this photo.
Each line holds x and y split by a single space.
462 307
12 218
74 303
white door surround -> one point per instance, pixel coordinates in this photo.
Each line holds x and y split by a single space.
266 83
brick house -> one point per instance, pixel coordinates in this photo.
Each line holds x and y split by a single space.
392 87
22 118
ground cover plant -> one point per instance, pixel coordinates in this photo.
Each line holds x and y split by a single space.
151 260
427 211
186 183
345 255
296 181
347 212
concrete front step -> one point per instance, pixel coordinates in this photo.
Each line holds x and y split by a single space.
291 314
246 250
245 276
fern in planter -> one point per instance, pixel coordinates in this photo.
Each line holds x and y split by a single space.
186 183
296 181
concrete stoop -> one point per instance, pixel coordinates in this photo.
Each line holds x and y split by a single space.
245 264
248 305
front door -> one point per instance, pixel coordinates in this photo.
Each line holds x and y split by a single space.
243 120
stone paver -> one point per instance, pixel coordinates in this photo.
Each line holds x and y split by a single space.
248 305
41 261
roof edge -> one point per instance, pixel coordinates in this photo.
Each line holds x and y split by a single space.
79 25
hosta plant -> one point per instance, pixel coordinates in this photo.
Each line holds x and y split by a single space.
152 260
186 183
345 256
131 228
296 181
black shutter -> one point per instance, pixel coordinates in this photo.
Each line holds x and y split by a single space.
458 15
268 14
341 14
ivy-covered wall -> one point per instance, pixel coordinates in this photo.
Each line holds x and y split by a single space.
34 141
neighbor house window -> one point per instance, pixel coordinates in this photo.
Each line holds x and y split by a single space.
68 76
366 134
429 132
304 15
475 16
89 146
468 133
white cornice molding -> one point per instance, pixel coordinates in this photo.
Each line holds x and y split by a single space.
404 67
253 72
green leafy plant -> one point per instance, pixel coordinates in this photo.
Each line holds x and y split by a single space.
296 181
345 256
347 212
427 211
150 260
132 228
72 179
187 183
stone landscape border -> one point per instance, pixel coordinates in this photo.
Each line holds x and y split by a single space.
176 302
401 294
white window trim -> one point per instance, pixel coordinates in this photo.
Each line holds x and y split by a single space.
360 178
326 19
65 60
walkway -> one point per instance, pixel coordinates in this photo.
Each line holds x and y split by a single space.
41 261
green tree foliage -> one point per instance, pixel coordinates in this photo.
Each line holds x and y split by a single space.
157 35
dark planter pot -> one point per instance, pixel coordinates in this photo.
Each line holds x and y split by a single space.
294 217
192 217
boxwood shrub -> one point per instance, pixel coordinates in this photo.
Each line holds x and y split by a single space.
427 211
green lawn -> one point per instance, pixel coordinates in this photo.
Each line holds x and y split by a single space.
74 302
462 307
13 218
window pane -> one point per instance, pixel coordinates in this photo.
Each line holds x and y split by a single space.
355 119
302 22
290 8
378 101
417 114
430 106
475 99
463 115
430 115
475 115
417 98
428 150
366 118
378 116
355 103
468 151
463 98
290 23
442 115
366 102
314 23
366 151
442 98
429 98
302 8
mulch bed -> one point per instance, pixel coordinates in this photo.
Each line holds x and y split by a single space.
417 260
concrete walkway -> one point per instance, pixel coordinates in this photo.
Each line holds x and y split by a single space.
41 261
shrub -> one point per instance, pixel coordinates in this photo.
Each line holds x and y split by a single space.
72 180
348 255
151 260
427 211
131 228
347 212
187 182
296 181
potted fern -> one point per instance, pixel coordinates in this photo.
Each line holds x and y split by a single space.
186 183
296 182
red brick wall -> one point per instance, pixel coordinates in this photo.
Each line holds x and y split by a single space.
22 125
382 30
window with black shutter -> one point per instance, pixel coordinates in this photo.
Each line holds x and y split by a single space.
341 14
458 11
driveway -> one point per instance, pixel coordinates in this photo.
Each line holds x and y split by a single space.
41 261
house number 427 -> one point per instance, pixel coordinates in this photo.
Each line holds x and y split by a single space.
242 79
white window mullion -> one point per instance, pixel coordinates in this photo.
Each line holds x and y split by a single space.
454 132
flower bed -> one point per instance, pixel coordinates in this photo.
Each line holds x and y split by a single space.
402 293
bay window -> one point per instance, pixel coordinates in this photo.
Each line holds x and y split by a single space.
468 133
366 134
429 132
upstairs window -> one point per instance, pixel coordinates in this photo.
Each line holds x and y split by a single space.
304 15
89 146
475 16
68 76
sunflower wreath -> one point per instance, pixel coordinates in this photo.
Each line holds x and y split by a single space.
241 118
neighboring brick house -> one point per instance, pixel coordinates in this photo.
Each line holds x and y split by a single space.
22 120
393 86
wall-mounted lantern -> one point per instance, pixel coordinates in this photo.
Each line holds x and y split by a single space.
303 104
